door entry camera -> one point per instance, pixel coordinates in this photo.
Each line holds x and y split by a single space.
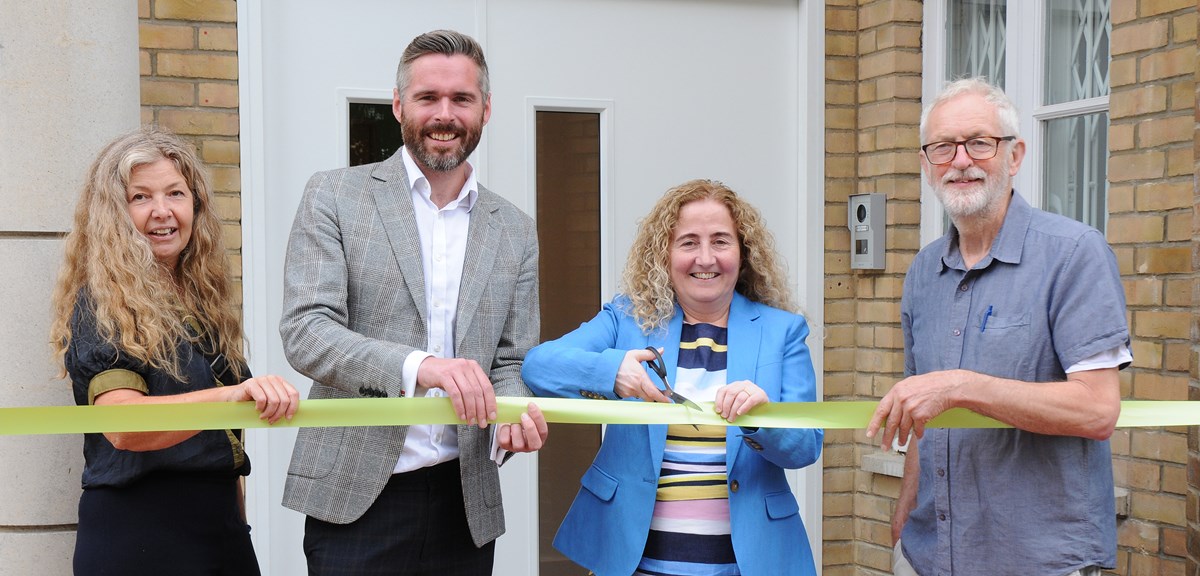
867 218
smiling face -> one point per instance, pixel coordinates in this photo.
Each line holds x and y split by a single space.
160 204
965 186
706 257
442 112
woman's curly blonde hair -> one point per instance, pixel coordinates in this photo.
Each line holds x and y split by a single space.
647 277
139 309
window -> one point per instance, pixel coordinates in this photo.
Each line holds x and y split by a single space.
1054 66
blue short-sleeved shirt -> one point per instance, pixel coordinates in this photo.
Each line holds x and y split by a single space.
1009 501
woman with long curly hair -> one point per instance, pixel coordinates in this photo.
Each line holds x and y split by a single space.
143 313
704 286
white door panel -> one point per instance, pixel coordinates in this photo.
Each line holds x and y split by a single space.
693 89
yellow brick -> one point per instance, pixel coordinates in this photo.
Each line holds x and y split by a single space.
1143 291
1179 226
1163 260
841 19
218 95
147 116
899 36
903 87
205 10
840 119
888 62
1183 94
868 41
227 207
232 234
867 92
1160 196
839 45
166 36
143 8
144 66
1139 36
881 163
1141 165
218 38
1159 65
841 69
1122 72
837 384
198 65
1159 131
1120 198
200 122
167 93
1178 292
839 166
1124 255
904 213
878 311
842 94
1177 356
885 11
1123 11
1154 324
1183 28
221 152
226 179
1146 354
1163 508
1180 162
1138 101
889 113
1120 137
1156 7
1134 229
839 143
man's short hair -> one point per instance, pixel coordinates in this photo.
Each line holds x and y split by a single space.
445 42
1006 111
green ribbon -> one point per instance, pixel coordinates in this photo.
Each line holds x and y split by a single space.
405 411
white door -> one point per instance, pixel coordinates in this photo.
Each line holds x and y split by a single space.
712 89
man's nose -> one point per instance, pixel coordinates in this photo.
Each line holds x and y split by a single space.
961 158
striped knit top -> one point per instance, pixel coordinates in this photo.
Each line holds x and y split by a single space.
689 532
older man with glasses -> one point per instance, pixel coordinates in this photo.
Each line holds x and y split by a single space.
1017 314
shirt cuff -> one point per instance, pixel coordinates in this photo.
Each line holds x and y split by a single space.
498 454
408 374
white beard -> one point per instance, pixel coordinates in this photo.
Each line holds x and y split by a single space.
980 199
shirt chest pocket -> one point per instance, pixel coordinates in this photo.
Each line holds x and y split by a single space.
1005 343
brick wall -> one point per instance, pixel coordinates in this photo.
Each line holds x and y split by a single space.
189 85
1151 195
872 107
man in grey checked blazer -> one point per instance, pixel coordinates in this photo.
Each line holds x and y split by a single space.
375 306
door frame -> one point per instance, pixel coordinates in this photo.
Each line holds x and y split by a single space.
809 287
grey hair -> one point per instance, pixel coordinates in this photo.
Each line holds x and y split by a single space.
447 43
1006 111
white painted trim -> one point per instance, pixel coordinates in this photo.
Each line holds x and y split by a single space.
259 500
606 110
1023 78
933 77
343 98
810 254
1073 108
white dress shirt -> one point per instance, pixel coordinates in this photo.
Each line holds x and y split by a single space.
443 233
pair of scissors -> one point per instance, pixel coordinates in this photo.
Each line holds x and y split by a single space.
660 367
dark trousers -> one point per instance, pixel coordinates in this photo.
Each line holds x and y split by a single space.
416 526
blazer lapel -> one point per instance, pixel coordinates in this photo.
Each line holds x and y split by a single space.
483 236
745 337
393 198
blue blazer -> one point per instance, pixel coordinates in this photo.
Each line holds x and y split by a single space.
606 528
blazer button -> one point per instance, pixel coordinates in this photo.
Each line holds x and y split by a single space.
733 486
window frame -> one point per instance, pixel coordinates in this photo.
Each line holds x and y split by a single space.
1024 74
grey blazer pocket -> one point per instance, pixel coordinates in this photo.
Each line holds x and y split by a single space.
317 451
599 483
781 505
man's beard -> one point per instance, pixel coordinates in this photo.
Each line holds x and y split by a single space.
981 199
414 140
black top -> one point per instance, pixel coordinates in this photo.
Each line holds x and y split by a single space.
96 366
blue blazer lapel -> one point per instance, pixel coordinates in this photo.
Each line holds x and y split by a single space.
393 198
745 337
669 342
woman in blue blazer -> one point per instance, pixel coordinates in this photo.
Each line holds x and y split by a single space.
704 285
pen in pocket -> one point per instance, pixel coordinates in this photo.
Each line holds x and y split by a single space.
983 325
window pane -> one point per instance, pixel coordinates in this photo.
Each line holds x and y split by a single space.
1075 168
1076 51
374 133
975 32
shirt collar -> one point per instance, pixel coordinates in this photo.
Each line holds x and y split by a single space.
419 184
1008 244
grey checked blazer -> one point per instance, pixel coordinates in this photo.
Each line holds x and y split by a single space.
354 308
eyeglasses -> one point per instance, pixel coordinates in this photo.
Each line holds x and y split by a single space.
978 148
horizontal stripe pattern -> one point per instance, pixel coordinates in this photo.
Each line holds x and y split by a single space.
689 531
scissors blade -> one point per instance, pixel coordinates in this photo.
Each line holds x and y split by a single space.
681 399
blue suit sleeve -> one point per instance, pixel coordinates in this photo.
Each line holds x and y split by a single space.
583 362
793 447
